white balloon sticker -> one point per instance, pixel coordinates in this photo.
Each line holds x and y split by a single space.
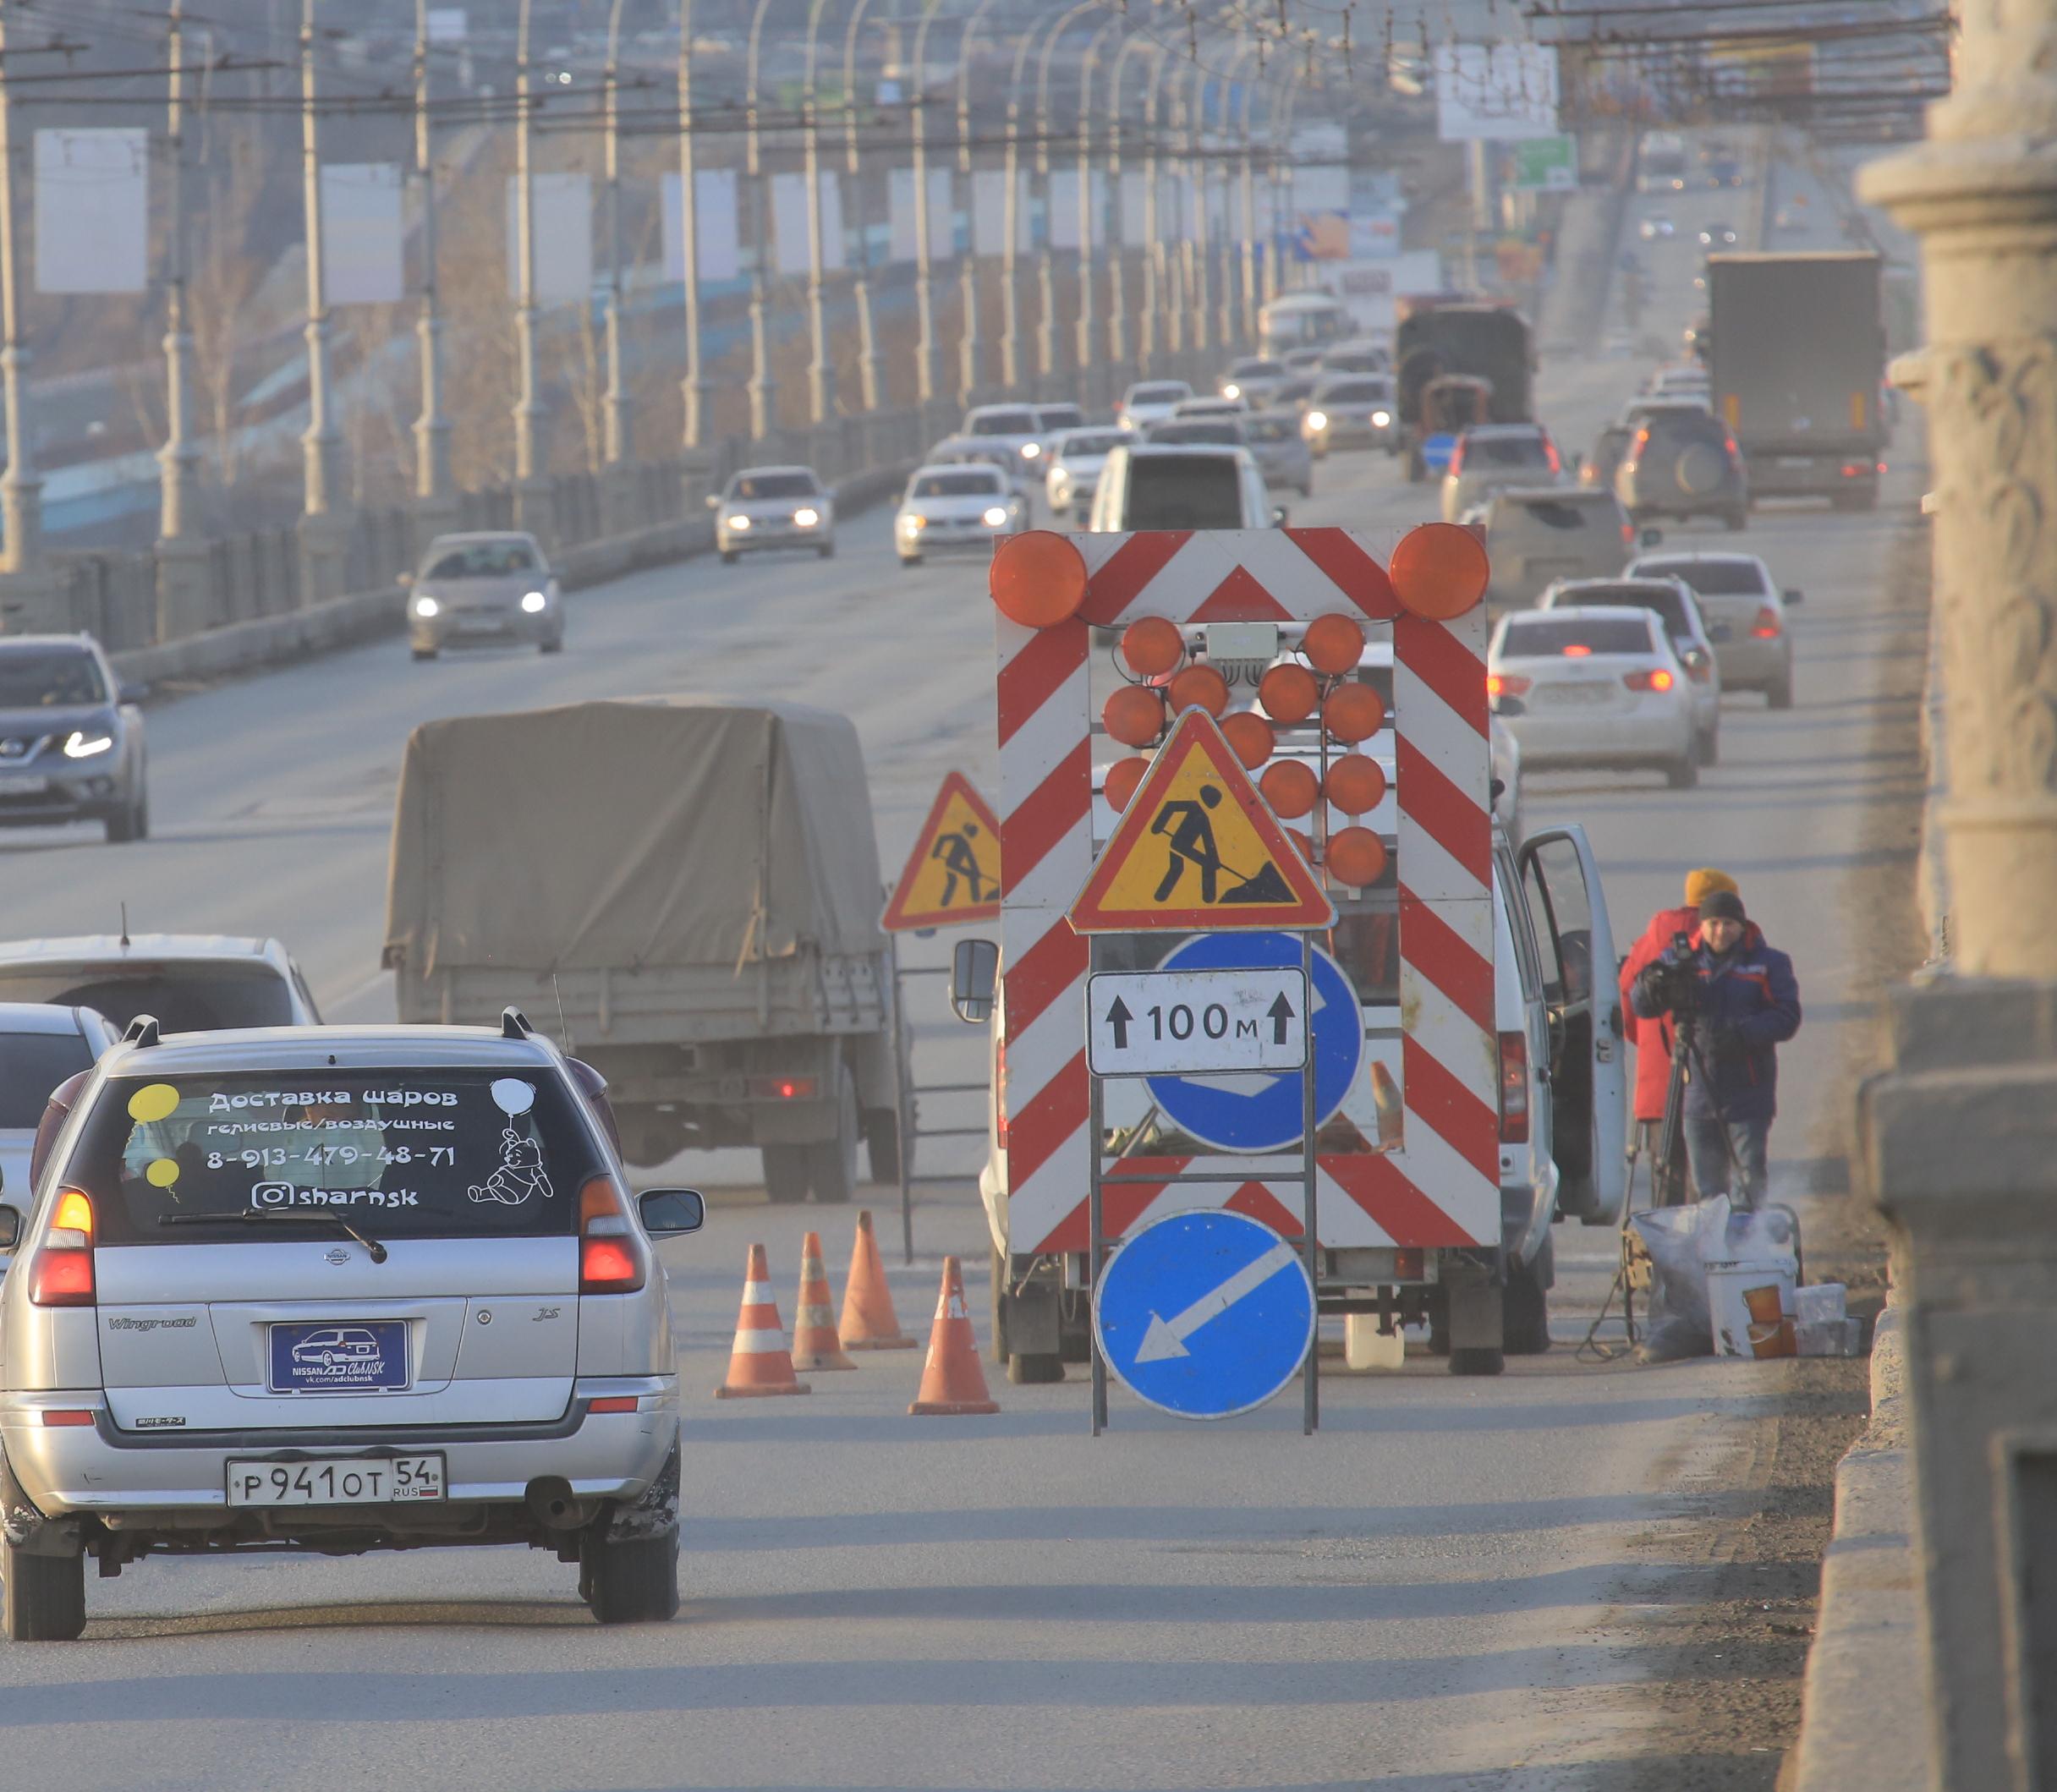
512 1096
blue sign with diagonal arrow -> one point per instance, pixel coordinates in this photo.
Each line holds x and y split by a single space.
1205 1314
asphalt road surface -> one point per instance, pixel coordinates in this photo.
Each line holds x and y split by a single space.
1437 1593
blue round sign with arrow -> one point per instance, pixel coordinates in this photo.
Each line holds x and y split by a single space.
1259 1110
1205 1314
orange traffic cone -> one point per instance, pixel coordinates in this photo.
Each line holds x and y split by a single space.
952 1381
761 1363
868 1321
814 1343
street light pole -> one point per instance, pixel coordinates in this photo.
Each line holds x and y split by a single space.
820 367
1010 284
1088 212
763 388
616 427
321 545
432 487
925 297
530 491
693 387
178 460
1249 220
968 273
1194 250
1149 331
867 332
1117 308
1046 262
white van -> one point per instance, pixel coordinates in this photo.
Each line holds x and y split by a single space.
1181 485
1563 1107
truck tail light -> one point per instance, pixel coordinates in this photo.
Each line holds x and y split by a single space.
1551 455
61 1271
782 1088
1657 678
1410 1263
1506 684
1767 628
610 1260
1514 1088
1857 470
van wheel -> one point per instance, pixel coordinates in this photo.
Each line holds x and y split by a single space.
827 550
785 1173
1682 773
1524 1314
424 653
1710 747
1476 1359
632 1582
831 1163
729 556
44 1596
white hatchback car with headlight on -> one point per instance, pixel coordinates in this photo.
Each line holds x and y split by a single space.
773 507
946 507
1598 687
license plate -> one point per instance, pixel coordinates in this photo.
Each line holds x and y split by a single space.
346 1357
479 625
1801 461
1575 693
13 784
343 1481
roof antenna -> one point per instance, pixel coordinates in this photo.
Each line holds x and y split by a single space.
124 927
564 1026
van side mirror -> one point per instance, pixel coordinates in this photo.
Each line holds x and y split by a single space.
974 975
1653 538
10 1228
1794 597
670 1212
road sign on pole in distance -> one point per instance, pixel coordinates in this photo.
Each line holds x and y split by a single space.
954 873
1205 1314
1198 847
1140 1023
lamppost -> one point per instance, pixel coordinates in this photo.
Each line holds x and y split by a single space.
1089 213
867 332
1046 268
1117 309
693 386
967 273
1249 217
763 388
178 460
1153 260
1194 250
531 488
1281 188
925 297
820 366
1010 289
616 429
435 499
322 540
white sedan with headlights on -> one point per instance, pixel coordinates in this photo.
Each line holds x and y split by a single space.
953 507
1354 410
1593 686
483 589
772 507
1076 456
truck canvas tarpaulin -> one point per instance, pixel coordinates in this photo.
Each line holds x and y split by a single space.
639 832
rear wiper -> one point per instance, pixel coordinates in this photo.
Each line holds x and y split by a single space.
275 1215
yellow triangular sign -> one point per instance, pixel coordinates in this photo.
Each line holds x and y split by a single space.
1199 850
953 873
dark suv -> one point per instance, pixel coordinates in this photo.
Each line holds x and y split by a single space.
1682 461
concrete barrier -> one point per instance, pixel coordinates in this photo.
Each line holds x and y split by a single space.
1864 1722
368 616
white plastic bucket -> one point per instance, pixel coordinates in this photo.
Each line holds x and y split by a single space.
1751 1307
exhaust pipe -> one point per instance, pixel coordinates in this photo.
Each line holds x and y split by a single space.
556 1508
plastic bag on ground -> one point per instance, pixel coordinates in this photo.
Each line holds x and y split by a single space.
1682 1241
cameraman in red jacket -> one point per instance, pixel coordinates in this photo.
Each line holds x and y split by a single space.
1652 1038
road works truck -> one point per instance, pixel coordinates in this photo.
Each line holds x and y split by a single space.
1468 1076
1441 341
690 890
1795 370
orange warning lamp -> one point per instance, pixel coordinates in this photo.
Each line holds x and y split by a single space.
1290 787
1353 713
1201 686
1153 646
1289 693
1133 715
1122 778
1357 857
1038 578
1250 736
1354 784
1439 570
1334 644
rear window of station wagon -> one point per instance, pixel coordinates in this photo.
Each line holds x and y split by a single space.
448 1153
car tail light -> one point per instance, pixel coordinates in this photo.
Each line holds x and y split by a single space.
1506 684
1767 628
68 1415
1641 441
610 1260
1628 533
1555 460
1578 651
1857 470
1657 679
1729 443
782 1088
61 1271
1514 1088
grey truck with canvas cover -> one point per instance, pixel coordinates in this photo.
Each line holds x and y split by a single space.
690 886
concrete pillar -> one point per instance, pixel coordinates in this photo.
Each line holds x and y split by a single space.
1959 1137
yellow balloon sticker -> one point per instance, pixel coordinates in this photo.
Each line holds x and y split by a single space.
162 1173
153 1101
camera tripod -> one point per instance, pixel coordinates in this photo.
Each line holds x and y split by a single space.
1668 1180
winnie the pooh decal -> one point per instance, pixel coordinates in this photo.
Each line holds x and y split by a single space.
520 1173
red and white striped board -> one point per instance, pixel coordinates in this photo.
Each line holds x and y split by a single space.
1441 1186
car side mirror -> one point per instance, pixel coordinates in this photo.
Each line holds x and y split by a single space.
1653 538
403 579
1278 516
10 1228
1794 597
670 1212
135 692
714 500
974 977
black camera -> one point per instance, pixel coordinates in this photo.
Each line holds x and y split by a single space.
1671 982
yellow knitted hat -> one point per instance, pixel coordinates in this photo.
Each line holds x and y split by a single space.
1700 884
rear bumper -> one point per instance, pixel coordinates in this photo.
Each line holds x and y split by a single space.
1752 665
77 1471
1625 740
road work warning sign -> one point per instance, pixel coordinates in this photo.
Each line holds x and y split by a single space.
1197 849
953 873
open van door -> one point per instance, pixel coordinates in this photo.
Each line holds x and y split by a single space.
1588 1083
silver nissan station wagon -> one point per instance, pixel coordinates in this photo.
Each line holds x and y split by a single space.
338 1289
